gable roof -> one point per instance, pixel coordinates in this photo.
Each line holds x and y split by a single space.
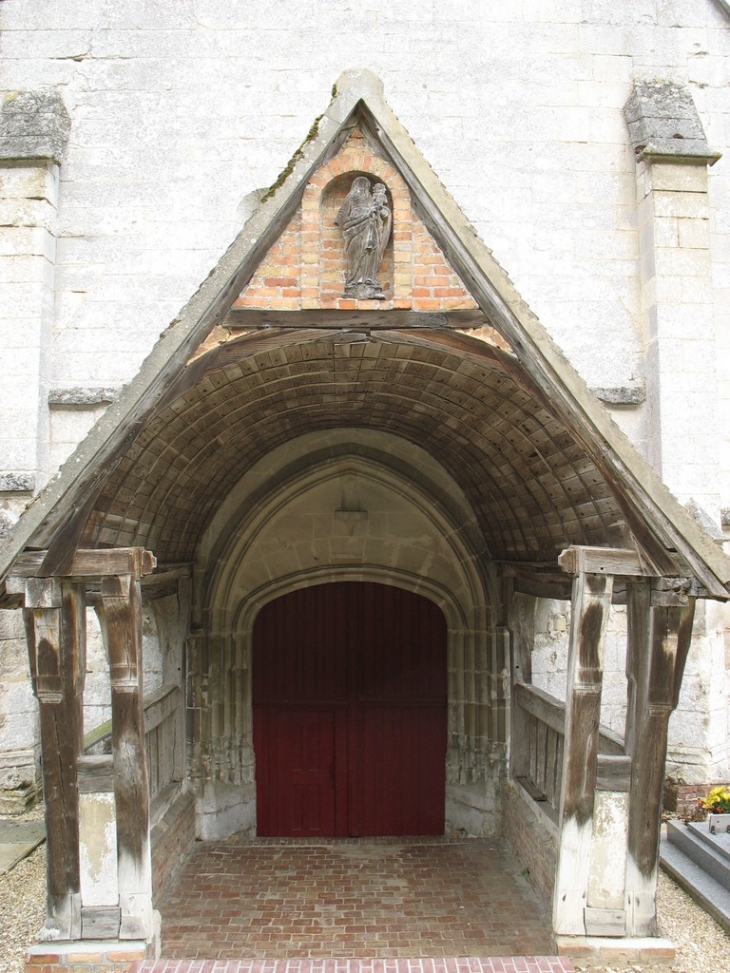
659 524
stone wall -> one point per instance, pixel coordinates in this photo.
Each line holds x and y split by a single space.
19 733
178 116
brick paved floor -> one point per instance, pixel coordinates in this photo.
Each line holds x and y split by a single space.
506 964
380 898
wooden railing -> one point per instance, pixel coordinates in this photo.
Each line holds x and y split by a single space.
161 712
539 767
163 748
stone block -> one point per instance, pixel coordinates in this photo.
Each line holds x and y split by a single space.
17 482
23 212
13 657
681 204
26 269
25 241
34 125
672 177
663 123
11 624
613 68
694 234
37 184
673 263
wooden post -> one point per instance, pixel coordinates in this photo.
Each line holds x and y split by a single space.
122 630
591 602
56 636
521 622
659 634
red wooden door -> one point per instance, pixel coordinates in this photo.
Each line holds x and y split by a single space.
349 689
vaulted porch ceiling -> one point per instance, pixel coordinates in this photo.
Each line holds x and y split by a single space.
533 487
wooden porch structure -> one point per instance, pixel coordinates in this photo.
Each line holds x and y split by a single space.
467 425
562 760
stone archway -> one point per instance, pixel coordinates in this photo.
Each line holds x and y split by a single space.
348 512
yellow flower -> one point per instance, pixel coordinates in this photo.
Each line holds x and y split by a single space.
717 801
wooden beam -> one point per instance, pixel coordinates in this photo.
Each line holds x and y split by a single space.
96 773
161 705
603 560
614 772
167 575
519 616
658 643
541 705
591 604
134 561
55 624
249 318
121 618
605 922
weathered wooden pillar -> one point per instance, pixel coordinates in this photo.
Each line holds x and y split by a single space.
56 635
121 619
591 602
659 634
522 625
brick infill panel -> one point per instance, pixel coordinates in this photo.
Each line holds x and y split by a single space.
461 964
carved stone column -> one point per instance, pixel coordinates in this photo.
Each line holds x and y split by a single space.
591 602
56 635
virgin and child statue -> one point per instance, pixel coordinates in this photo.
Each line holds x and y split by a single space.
366 222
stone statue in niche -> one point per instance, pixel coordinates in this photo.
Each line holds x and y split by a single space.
366 222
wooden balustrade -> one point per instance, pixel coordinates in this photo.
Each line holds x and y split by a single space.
162 726
543 734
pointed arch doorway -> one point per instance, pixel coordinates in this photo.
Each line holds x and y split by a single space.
349 712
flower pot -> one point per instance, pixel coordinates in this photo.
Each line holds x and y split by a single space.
718 823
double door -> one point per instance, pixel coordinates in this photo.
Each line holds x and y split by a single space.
349 692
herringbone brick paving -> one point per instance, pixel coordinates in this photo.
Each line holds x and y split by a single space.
377 898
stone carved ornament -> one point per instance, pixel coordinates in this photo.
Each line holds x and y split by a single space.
366 222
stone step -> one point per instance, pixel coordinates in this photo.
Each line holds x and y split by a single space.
710 851
692 877
719 842
460 964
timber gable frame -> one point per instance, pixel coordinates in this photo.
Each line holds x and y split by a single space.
668 539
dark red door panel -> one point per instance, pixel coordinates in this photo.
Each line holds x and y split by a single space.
398 771
350 712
